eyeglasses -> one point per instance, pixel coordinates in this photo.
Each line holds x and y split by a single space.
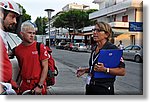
98 30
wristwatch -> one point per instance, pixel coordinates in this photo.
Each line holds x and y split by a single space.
107 70
40 86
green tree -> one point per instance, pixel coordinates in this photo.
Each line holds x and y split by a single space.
75 19
21 19
24 16
90 22
41 25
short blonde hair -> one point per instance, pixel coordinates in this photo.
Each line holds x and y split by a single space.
28 25
106 27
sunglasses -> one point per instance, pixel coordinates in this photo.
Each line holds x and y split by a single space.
98 30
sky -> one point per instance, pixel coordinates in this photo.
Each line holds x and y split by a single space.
36 8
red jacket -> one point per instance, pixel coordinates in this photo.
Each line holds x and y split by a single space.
5 64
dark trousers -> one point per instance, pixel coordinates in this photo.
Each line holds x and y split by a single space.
100 89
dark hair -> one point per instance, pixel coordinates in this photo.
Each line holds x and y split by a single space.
5 13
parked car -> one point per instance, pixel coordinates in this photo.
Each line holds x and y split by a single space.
13 40
133 52
61 45
66 46
80 47
69 46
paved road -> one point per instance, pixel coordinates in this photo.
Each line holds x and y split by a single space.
68 83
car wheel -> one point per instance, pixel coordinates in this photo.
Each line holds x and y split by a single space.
76 49
137 58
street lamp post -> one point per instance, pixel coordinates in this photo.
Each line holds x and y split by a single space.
83 14
49 11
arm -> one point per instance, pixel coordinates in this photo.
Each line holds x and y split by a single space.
43 76
82 71
44 71
119 71
44 56
1 89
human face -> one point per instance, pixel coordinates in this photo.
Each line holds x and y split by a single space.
28 35
98 34
10 21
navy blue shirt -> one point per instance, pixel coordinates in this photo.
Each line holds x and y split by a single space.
107 45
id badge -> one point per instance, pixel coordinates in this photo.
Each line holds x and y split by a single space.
88 79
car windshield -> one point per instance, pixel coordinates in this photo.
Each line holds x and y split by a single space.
81 44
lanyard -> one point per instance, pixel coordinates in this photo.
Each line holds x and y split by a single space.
93 60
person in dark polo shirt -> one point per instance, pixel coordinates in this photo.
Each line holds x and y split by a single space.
101 86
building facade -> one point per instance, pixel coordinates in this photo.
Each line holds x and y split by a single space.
119 14
76 6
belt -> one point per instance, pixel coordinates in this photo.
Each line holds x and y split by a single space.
100 81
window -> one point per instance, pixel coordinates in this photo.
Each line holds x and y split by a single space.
136 48
114 17
125 18
128 48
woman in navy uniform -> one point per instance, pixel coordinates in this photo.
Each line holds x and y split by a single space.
102 85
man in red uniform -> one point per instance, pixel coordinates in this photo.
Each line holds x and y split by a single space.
9 11
33 73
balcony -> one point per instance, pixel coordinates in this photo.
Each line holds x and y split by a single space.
119 24
119 27
116 9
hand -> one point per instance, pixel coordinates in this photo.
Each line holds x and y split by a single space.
1 88
99 67
80 71
37 90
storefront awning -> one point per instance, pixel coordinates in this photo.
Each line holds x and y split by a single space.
88 33
119 31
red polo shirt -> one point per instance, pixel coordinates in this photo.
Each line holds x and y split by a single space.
28 59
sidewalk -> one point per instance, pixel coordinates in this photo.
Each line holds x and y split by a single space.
66 82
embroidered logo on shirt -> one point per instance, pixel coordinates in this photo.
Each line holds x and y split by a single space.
34 52
110 54
44 47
